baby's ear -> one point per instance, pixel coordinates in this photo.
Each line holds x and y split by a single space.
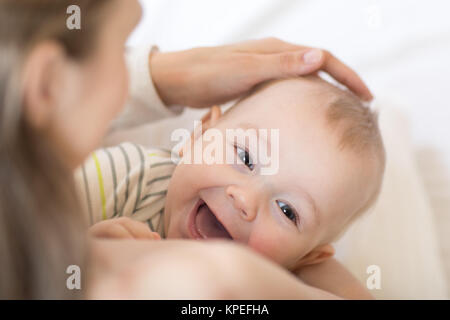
207 121
317 255
210 119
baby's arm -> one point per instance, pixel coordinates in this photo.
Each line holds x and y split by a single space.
333 277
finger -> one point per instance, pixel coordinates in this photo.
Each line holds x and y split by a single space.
346 76
338 70
290 64
156 236
137 229
115 231
99 228
308 61
266 46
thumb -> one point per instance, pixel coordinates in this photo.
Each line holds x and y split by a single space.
294 63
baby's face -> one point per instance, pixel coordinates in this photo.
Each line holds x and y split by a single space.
285 215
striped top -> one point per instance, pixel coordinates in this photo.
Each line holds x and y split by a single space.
126 180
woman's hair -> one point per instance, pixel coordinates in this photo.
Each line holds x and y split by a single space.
41 226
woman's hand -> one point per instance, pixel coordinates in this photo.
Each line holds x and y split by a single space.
123 228
203 77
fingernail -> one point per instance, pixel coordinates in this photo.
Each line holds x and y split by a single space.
312 56
370 98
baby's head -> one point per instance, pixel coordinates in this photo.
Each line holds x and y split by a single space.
330 167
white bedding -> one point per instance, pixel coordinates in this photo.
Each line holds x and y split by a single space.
401 48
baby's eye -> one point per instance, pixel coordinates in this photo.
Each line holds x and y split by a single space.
245 157
288 211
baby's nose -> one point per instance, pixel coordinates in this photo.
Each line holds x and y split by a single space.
243 200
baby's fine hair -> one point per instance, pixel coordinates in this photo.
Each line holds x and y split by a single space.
358 130
356 122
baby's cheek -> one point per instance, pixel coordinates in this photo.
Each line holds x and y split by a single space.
277 245
268 245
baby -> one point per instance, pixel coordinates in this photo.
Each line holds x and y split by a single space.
330 159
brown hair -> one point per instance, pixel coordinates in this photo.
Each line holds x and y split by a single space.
357 123
359 132
41 226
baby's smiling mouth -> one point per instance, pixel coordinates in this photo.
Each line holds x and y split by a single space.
205 224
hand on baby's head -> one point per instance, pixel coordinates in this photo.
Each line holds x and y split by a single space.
331 162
